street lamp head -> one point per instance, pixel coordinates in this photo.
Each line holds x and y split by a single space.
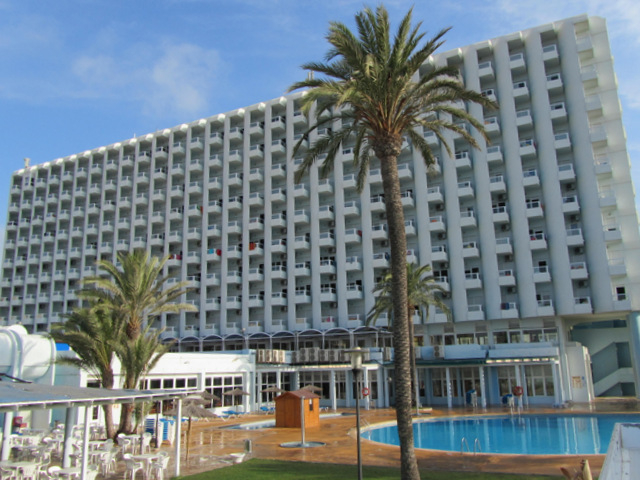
356 358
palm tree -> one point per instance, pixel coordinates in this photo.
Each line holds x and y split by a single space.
136 294
137 357
92 334
422 292
137 291
376 87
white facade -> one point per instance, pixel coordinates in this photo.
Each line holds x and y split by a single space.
531 235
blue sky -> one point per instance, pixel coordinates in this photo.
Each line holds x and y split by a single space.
76 75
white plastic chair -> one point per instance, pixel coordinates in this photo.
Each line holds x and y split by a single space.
158 467
132 467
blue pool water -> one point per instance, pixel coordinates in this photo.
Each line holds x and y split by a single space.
525 434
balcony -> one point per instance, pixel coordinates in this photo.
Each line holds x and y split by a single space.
579 271
550 55
301 242
278 220
509 310
327 239
439 253
617 267
562 142
485 70
350 181
381 260
566 172
490 94
380 232
300 190
256 224
570 204
523 118
538 241
582 305
520 91
278 170
516 62
434 195
300 217
214 230
574 237
554 83
354 291
497 184
256 199
494 154
412 257
527 148
278 147
325 212
234 203
545 308
326 266
470 250
492 126
404 171
465 190
410 228
436 224
472 280
375 176
503 246
302 296
325 186
534 209
506 278
612 234
607 199
235 134
216 139
278 195
475 312
235 156
377 204
279 246
558 111
468 219
234 226
462 159
541 274
353 264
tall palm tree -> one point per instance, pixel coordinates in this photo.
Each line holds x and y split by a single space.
136 291
93 335
376 87
422 292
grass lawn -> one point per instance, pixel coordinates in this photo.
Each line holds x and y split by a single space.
257 469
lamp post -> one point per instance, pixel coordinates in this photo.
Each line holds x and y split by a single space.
356 368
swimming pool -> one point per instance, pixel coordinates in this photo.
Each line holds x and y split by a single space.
524 434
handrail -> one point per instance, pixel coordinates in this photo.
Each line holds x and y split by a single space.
476 443
464 442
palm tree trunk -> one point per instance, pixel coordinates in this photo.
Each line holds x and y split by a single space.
412 352
401 341
126 416
108 421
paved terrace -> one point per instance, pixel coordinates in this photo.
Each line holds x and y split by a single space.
212 442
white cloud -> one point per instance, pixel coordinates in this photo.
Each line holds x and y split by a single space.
163 80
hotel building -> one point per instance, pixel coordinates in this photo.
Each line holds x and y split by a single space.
534 236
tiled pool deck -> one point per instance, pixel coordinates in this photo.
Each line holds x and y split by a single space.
212 442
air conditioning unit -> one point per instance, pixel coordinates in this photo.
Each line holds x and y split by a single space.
444 265
334 305
283 309
440 207
571 186
384 243
332 277
283 282
332 223
511 290
505 227
583 284
502 197
238 312
508 258
578 250
574 218
438 351
283 231
332 250
442 236
446 295
382 216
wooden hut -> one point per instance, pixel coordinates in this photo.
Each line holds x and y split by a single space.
289 405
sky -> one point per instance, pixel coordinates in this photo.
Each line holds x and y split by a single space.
80 74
